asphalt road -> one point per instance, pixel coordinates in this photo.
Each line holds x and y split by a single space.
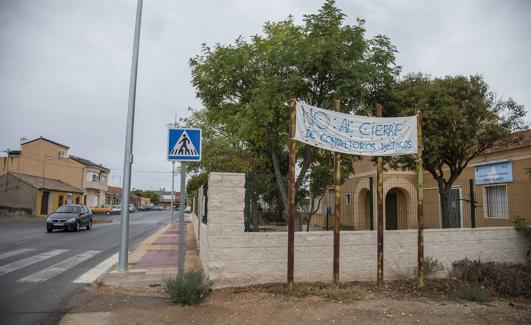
37 269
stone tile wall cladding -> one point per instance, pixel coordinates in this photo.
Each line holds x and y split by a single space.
232 257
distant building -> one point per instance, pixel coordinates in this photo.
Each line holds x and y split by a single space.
22 194
113 196
165 198
45 158
94 183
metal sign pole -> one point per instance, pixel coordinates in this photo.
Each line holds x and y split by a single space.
128 156
172 189
180 253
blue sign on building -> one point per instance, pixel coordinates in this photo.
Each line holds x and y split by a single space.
184 145
494 172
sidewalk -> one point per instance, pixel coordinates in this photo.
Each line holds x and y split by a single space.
153 260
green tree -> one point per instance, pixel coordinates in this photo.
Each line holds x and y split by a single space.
245 87
461 118
154 197
195 182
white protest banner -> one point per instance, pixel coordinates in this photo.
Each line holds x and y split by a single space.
356 135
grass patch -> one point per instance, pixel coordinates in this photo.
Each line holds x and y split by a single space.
330 292
472 292
190 288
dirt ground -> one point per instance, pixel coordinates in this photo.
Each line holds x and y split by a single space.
397 303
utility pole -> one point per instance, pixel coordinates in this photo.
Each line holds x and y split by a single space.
128 155
180 253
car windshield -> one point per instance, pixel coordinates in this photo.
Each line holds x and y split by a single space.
117 206
68 209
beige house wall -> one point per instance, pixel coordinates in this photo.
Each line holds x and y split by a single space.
54 199
41 158
355 215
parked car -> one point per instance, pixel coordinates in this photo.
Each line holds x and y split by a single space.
70 217
132 208
142 208
102 210
116 209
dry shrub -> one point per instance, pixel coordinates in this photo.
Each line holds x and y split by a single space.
188 289
505 278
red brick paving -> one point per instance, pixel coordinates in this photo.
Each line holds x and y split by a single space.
170 239
155 259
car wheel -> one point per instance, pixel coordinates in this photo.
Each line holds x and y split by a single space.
76 227
49 229
89 225
108 213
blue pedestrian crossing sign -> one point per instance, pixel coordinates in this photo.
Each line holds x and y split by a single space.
184 144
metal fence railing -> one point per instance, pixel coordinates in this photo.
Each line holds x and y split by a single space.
468 206
200 207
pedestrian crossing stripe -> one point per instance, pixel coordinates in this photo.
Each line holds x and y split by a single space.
184 144
15 253
4 269
58 268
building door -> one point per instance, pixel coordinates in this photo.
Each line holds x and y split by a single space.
453 220
44 202
391 211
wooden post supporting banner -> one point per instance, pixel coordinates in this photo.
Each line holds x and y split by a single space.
337 205
379 211
371 204
291 192
420 208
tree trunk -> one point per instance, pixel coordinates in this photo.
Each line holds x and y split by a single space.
278 175
444 194
306 162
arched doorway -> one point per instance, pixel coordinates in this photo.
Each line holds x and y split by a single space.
395 209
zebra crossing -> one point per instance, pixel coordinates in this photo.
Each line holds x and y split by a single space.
48 272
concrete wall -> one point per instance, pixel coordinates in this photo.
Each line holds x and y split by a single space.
17 194
232 257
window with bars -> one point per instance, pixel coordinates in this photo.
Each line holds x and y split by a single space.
495 202
348 199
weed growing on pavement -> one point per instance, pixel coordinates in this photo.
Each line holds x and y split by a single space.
472 292
190 288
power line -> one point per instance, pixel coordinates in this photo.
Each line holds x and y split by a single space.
143 171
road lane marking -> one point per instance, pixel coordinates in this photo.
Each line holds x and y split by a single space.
58 268
15 252
30 260
94 273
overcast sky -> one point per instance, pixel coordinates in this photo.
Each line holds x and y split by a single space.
65 64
